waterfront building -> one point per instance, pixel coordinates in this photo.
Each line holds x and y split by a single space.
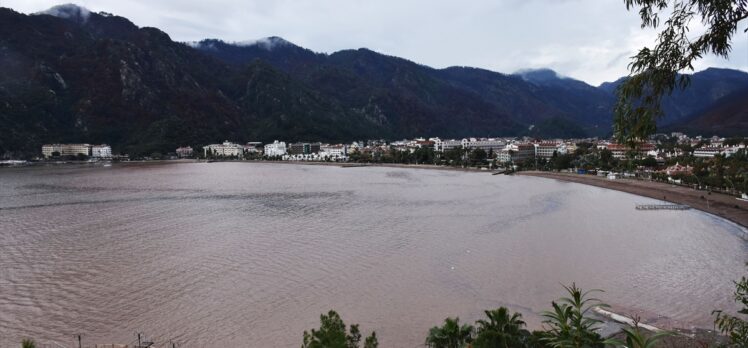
185 152
253 147
355 146
303 148
102 151
516 153
399 145
67 150
707 152
226 149
334 151
485 144
420 143
277 148
621 151
732 150
49 150
446 145
677 169
711 151
546 150
571 147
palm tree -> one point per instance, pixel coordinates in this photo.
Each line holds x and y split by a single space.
502 330
28 343
450 335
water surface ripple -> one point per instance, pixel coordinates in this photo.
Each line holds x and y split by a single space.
249 254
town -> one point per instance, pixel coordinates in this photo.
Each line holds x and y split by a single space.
715 163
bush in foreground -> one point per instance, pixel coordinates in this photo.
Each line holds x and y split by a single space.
332 333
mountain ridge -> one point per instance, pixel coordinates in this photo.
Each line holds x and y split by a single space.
66 78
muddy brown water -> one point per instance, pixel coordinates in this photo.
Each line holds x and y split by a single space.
249 254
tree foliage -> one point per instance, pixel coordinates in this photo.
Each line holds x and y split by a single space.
736 327
332 333
502 330
656 72
635 337
569 324
450 335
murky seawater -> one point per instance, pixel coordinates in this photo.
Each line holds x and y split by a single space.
249 255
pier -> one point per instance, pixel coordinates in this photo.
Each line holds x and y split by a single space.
662 207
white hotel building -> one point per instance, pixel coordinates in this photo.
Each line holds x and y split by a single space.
334 151
227 149
446 145
66 150
486 144
101 151
546 150
277 148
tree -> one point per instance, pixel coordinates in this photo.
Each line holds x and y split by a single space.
736 327
649 161
332 334
560 162
635 338
450 335
454 156
568 325
28 343
371 341
656 72
501 330
477 156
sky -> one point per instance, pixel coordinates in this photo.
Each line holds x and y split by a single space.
590 40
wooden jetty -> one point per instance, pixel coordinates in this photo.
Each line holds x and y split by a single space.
662 207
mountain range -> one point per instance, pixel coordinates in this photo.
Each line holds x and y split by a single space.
71 75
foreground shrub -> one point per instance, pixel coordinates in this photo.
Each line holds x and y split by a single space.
332 333
450 335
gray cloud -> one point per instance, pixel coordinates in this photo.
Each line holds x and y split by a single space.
585 39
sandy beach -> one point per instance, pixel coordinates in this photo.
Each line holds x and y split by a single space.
722 205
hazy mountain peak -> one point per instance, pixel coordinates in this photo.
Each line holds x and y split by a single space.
538 75
267 43
68 11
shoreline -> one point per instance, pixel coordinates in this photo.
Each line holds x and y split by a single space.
723 206
381 165
720 205
305 163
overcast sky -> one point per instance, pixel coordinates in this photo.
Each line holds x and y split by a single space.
590 40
